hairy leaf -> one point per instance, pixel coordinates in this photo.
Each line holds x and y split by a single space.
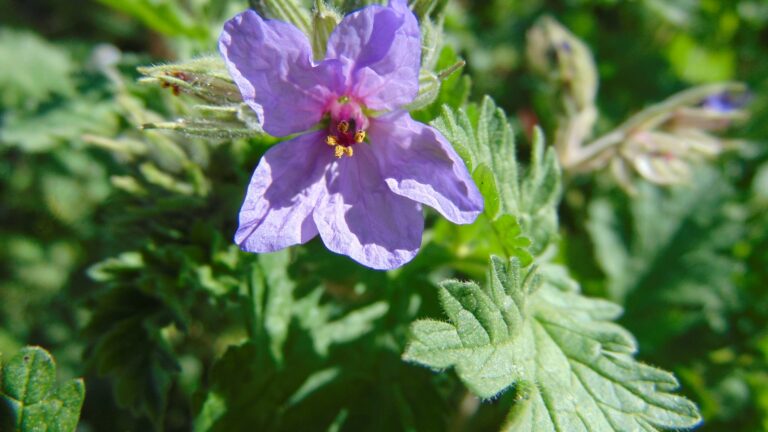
484 138
572 368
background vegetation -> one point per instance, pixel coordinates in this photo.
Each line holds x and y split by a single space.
116 253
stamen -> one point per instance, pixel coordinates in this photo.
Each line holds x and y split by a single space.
359 136
349 151
331 140
343 126
338 151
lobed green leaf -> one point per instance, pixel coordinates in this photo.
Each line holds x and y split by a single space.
572 368
483 137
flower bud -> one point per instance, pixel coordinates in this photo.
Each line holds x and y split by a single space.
564 60
205 78
665 141
223 116
429 85
290 11
716 111
324 20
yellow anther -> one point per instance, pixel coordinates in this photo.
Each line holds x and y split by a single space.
343 126
339 151
359 136
331 140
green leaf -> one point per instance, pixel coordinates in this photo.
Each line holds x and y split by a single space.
279 306
513 242
28 399
572 368
127 345
73 186
317 319
164 16
240 393
674 252
42 131
699 64
486 183
249 391
483 137
39 70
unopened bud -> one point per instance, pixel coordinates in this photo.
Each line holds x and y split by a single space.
429 85
224 114
426 8
665 141
324 21
555 53
663 169
205 128
205 78
291 11
716 111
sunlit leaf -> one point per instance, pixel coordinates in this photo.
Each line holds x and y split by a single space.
571 367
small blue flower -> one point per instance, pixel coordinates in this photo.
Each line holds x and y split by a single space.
726 102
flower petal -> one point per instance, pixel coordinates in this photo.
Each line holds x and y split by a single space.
417 162
271 64
360 217
380 48
282 194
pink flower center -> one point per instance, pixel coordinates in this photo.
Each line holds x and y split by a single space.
347 126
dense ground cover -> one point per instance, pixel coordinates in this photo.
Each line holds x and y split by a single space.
623 247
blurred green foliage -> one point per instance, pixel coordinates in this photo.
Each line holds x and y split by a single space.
116 241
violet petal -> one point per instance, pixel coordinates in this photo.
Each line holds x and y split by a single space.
380 49
283 191
418 162
271 64
360 217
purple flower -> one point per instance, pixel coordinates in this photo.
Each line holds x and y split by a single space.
360 167
726 102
